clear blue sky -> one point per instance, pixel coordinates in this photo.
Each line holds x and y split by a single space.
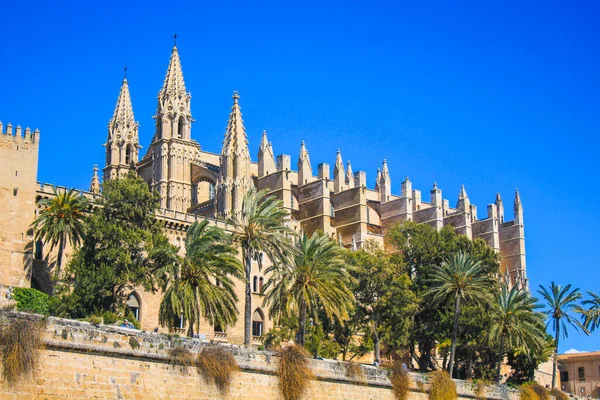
493 95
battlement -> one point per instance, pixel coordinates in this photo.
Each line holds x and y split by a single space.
18 133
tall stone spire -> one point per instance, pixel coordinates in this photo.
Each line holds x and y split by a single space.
304 167
349 175
266 158
173 115
463 200
235 179
95 185
385 183
500 207
339 175
122 145
518 208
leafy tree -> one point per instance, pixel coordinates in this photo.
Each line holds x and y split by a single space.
524 363
515 324
61 221
591 316
192 288
385 305
124 247
259 228
561 305
316 278
460 278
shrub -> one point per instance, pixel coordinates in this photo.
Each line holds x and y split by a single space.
94 319
442 386
134 343
31 300
355 372
20 342
217 366
559 395
181 356
479 388
400 381
526 392
293 372
109 317
541 391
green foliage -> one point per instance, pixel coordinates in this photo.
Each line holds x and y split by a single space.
315 280
320 344
134 343
109 317
20 343
61 221
133 320
293 372
591 316
124 247
524 362
94 319
541 391
400 381
31 300
527 392
190 290
442 386
260 229
217 366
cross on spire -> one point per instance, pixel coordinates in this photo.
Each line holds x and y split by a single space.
125 72
175 40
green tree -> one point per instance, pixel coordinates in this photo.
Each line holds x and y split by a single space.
61 221
201 285
259 228
316 278
515 324
561 305
124 247
591 316
459 278
385 305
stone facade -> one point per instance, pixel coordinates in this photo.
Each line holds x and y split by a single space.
579 373
86 361
196 184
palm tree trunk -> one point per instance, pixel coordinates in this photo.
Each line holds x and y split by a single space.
59 256
377 345
500 354
248 307
190 331
302 323
556 338
454 335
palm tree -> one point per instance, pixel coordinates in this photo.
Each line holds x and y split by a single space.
561 304
591 316
316 279
259 228
61 221
460 277
201 285
515 324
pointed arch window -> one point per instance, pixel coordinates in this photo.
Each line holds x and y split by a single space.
255 284
257 322
261 281
128 154
181 128
134 305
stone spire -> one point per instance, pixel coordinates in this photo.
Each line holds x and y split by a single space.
266 158
304 167
173 115
338 173
122 144
385 183
463 200
235 179
349 175
500 207
518 208
95 185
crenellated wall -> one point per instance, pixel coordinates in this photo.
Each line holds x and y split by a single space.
86 361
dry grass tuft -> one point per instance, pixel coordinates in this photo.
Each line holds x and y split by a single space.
526 392
217 365
442 386
558 395
420 387
181 356
480 388
400 381
355 372
293 372
541 391
20 343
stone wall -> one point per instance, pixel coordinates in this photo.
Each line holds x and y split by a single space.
87 361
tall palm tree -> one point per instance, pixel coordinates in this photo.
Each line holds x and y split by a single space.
592 314
61 221
259 228
316 278
561 305
459 278
515 323
201 285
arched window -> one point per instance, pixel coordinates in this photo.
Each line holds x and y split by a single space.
211 191
158 128
255 284
260 284
332 211
257 322
181 128
128 154
134 305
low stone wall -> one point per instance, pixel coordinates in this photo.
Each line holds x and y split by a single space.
87 361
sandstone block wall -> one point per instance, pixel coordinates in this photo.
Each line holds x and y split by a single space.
86 361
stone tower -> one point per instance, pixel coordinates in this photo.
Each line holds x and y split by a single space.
235 172
19 154
122 145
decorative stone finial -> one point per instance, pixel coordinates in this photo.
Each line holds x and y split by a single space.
235 97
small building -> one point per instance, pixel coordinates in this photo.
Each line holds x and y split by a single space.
580 373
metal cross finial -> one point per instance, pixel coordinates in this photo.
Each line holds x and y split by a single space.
175 40
125 72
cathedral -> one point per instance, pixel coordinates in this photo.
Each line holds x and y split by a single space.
195 184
